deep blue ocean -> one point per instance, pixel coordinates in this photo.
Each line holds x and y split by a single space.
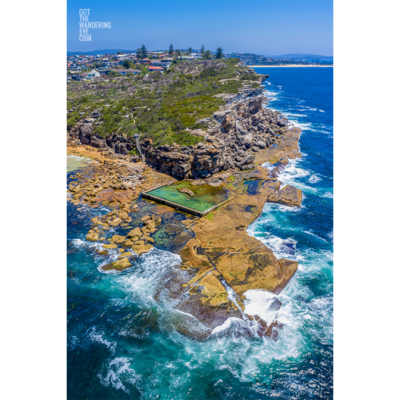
121 342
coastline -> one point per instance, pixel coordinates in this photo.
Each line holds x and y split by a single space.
221 261
291 66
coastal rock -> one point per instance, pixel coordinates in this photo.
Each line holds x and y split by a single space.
92 236
116 222
288 196
118 239
141 248
125 254
118 265
110 246
134 232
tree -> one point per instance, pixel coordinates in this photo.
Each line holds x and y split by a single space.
219 54
127 64
190 50
144 51
120 52
178 52
207 55
139 53
171 49
202 49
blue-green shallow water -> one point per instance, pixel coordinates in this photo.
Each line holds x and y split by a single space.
122 343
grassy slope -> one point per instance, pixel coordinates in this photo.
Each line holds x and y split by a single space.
162 106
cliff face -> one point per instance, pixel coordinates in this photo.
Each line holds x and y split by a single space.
235 134
243 128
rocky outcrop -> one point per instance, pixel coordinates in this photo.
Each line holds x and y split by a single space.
288 196
118 265
244 127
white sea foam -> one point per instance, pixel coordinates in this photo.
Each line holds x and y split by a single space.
314 179
118 369
141 281
228 324
97 337
313 234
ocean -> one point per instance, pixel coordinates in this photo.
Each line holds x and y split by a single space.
121 343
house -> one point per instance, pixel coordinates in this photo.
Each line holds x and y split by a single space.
93 74
196 56
145 61
186 58
161 69
156 63
81 77
125 71
75 68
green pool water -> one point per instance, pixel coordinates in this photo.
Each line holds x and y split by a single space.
206 196
76 162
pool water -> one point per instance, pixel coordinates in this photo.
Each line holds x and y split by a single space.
206 196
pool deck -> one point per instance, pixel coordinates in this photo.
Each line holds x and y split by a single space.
146 195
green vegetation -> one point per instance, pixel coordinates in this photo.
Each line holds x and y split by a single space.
161 107
219 53
207 55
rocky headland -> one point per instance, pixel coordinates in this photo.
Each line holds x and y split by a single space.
220 261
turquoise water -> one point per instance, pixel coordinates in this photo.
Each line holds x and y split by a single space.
206 196
122 343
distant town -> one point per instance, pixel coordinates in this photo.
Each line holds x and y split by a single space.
141 61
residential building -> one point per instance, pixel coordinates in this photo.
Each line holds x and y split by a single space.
152 68
93 74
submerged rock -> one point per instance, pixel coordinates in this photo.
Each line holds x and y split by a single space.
186 191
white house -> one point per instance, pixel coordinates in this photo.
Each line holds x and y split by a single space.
93 74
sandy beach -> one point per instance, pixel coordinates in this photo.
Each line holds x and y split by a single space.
290 65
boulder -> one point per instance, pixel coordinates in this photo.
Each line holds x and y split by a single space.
110 246
129 242
118 265
118 239
125 254
92 236
134 232
260 144
116 222
288 196
141 248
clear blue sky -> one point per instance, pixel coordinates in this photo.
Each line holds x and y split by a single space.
269 27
